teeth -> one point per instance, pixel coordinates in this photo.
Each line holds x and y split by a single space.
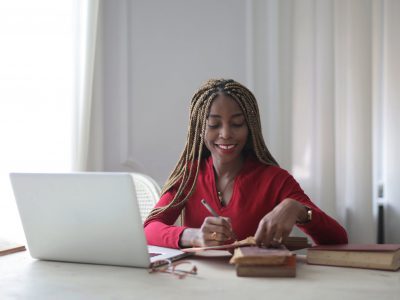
226 147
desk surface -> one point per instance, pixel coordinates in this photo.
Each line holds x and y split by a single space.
22 277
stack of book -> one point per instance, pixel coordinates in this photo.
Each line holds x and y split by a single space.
253 261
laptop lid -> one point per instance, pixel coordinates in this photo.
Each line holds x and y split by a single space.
84 217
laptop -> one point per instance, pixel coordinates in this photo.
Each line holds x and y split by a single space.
88 217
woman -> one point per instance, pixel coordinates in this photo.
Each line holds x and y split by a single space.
226 162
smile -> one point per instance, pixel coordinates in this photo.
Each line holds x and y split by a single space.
225 147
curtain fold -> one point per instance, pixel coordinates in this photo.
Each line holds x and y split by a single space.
390 96
336 85
332 99
326 74
353 107
87 32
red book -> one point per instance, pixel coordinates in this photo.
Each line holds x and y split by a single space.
369 256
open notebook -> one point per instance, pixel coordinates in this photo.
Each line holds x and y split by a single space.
291 243
85 217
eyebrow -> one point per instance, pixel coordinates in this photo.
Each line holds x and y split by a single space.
218 116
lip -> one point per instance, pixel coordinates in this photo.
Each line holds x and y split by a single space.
228 148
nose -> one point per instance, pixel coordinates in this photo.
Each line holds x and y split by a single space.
225 132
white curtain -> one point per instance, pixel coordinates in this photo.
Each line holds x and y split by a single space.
389 96
326 99
326 73
88 90
332 100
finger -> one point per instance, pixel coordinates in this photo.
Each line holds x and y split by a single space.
233 235
277 237
223 222
268 234
221 233
212 239
211 220
229 226
215 236
259 233
285 235
205 242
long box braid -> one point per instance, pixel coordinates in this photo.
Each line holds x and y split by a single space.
186 170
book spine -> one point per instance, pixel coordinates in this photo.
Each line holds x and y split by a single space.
377 261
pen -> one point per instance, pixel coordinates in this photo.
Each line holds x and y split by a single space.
209 208
214 213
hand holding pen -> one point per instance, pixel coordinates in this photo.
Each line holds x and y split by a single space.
218 228
214 231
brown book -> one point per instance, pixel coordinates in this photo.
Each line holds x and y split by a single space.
8 247
254 255
288 269
253 261
369 256
296 243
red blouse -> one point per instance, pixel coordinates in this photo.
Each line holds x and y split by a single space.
257 189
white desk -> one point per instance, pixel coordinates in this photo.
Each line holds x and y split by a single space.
22 277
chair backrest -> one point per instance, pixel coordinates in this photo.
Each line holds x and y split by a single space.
147 192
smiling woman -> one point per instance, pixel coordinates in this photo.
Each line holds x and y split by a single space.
226 136
36 92
227 166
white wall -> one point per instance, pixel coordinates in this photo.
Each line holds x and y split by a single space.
153 60
157 53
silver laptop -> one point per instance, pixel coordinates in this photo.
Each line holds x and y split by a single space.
85 218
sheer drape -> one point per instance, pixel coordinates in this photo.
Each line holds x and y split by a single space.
87 92
332 101
388 96
326 75
326 112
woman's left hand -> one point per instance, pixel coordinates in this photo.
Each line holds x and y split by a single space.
276 226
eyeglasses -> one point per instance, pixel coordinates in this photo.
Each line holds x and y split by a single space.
180 269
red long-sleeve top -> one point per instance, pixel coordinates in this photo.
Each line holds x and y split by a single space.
257 189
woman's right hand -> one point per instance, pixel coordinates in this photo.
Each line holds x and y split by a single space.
213 232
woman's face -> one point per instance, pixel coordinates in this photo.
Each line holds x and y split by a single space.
226 130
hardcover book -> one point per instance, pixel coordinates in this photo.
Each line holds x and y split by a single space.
288 269
260 256
253 261
369 256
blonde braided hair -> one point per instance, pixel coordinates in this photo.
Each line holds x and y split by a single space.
187 168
